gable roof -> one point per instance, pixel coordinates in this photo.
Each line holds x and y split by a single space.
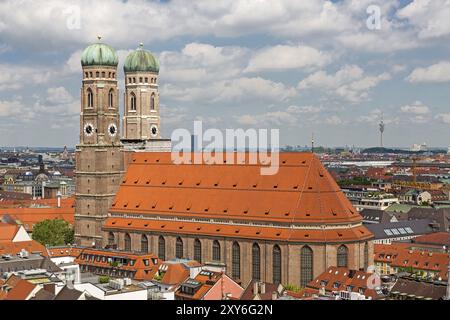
301 191
343 279
16 288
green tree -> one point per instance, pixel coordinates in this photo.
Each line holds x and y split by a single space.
55 232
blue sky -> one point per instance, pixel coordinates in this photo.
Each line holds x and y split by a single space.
300 66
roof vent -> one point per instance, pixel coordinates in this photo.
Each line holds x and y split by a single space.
254 186
225 210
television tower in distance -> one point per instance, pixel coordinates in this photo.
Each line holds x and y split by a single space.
381 126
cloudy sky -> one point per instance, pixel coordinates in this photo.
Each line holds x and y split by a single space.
306 66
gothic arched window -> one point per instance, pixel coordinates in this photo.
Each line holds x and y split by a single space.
127 246
111 239
144 243
342 256
111 98
90 98
216 250
179 248
197 250
256 262
161 248
236 261
276 264
306 266
152 102
133 102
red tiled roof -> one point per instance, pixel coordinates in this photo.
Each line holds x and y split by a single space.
343 279
13 248
19 289
8 231
30 216
237 231
142 272
301 191
402 256
175 274
438 238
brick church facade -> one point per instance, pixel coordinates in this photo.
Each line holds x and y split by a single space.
285 228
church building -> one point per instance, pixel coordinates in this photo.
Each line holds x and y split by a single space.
285 228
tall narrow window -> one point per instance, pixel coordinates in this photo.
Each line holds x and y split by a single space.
197 250
133 102
161 248
366 256
127 246
236 261
111 98
152 102
216 250
111 239
90 98
306 266
256 262
144 243
276 256
342 256
179 248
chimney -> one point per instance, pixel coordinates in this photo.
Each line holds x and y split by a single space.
263 287
59 199
255 287
274 295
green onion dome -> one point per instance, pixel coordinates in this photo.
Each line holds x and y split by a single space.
99 54
141 60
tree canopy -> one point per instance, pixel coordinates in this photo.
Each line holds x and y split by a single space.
55 232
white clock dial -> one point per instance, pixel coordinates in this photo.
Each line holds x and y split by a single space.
88 129
112 130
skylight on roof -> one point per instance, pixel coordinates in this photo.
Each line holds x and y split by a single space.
395 231
402 231
388 232
409 230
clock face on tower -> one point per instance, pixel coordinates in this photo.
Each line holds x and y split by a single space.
88 129
112 130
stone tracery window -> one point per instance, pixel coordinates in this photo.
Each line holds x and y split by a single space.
179 248
144 243
256 262
161 248
197 250
276 264
133 102
127 242
342 256
90 98
236 261
306 266
216 250
111 98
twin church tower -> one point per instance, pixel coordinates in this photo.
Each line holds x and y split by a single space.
103 152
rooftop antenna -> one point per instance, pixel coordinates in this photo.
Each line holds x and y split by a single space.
382 127
99 37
